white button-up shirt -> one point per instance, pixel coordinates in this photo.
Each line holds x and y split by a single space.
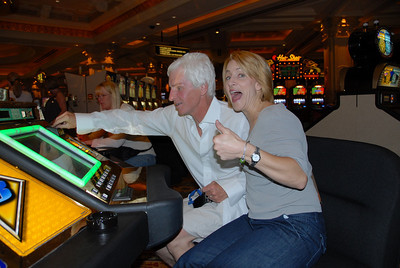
196 151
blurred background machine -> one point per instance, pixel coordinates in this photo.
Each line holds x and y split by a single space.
368 107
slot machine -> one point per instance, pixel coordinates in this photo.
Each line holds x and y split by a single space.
52 182
299 95
133 94
121 82
375 71
141 97
148 100
280 95
317 97
288 72
387 83
154 98
368 47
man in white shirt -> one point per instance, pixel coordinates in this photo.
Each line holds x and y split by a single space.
190 123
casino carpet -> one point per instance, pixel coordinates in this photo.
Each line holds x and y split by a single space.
148 259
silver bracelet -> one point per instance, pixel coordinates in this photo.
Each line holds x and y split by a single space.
242 160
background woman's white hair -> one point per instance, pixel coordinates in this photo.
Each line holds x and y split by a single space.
198 69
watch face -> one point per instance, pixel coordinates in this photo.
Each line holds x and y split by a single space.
255 157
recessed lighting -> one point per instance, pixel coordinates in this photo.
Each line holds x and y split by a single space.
174 17
158 24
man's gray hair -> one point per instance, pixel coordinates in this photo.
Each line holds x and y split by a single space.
198 69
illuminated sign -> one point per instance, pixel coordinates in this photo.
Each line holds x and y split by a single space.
292 57
170 51
311 76
289 70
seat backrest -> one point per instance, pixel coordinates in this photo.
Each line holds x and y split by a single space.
168 155
359 184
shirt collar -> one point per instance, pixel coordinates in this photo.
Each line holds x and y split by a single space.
212 113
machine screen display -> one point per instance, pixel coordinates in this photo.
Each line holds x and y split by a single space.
289 70
317 90
299 90
279 91
51 151
385 44
390 77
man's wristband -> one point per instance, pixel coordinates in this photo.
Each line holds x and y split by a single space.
242 160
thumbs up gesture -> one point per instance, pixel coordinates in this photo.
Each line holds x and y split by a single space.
228 145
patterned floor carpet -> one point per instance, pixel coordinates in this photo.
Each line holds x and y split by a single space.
148 259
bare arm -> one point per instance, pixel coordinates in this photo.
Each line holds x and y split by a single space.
283 170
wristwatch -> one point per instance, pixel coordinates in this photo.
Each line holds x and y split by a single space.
255 157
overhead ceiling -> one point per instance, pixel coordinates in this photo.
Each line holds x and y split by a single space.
50 35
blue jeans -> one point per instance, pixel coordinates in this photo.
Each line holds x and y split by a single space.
296 240
142 160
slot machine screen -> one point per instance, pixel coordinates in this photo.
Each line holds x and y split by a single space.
122 85
132 88
299 91
49 150
390 77
280 91
385 44
317 90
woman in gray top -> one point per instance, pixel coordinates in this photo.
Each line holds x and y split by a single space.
284 226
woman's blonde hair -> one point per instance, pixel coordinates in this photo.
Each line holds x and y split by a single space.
256 67
111 88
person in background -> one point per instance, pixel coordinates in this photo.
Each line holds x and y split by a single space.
134 150
28 84
284 226
18 90
56 104
190 123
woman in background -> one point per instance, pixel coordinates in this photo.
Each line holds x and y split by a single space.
284 226
125 146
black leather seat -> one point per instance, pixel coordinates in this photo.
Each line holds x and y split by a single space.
169 156
359 184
